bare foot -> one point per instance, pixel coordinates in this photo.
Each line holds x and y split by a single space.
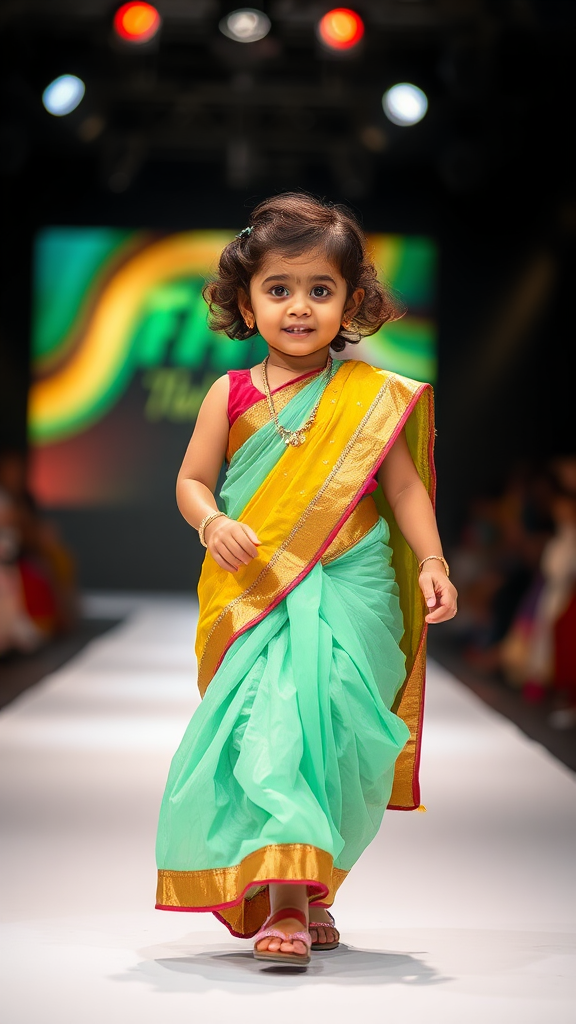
321 935
288 926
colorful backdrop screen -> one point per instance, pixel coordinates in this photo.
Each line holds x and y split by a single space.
122 355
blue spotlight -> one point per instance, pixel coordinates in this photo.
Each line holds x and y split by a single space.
405 104
63 95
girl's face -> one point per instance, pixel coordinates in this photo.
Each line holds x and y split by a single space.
299 304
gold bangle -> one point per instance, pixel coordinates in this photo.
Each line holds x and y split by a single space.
439 558
206 522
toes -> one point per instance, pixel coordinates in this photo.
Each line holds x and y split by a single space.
270 944
294 947
324 935
273 944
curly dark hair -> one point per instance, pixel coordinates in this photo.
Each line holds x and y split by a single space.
291 224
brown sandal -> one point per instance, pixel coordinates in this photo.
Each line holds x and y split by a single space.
318 946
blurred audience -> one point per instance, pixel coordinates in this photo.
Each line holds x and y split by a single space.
17 629
38 595
515 569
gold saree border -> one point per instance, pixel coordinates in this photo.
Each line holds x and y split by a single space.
238 895
359 523
258 415
409 704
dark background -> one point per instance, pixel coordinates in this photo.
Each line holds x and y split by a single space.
192 129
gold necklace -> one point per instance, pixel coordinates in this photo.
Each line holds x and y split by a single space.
293 437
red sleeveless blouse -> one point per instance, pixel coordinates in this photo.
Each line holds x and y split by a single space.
243 394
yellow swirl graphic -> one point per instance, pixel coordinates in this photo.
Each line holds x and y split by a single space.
76 389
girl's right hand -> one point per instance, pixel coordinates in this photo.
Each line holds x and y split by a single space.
231 543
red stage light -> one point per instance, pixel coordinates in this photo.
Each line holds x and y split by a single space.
341 28
136 22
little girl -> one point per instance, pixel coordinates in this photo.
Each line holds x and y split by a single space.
323 567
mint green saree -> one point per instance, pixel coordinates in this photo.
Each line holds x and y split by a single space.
288 764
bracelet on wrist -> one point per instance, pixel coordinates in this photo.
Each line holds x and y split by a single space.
206 522
438 558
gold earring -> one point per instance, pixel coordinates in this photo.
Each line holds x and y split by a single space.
249 322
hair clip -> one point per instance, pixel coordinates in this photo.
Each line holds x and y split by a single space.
245 233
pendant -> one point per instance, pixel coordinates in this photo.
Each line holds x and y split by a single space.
296 439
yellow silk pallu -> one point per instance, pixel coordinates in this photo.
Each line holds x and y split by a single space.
311 659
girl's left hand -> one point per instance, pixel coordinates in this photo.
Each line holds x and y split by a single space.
440 595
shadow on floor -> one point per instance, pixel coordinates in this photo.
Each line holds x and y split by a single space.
346 965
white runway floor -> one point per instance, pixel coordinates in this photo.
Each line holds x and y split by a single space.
465 914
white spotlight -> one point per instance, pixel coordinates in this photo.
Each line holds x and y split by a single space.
405 104
63 95
246 25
